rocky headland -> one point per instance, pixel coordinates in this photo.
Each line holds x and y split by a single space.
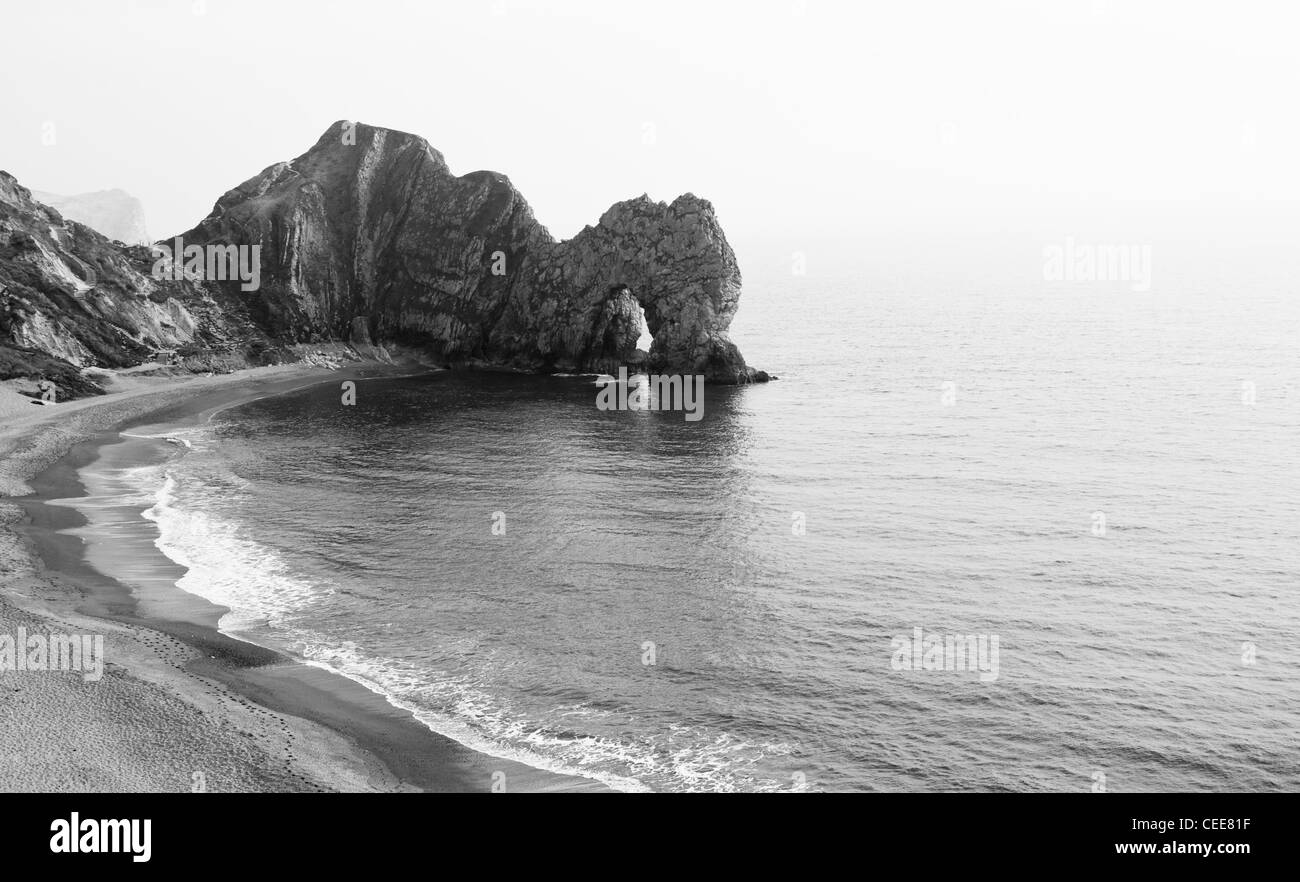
369 239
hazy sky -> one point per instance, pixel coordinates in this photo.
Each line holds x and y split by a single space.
799 120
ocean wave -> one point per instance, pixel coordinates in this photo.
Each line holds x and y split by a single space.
226 568
271 605
683 758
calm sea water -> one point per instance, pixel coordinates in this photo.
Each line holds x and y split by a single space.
1162 654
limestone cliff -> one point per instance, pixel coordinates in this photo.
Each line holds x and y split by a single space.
371 224
369 238
70 299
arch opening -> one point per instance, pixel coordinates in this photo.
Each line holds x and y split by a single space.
646 339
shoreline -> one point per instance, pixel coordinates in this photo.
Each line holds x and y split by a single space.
269 722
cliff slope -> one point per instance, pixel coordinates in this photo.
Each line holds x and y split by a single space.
369 238
369 232
70 299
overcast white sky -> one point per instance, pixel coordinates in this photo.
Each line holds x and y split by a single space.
797 119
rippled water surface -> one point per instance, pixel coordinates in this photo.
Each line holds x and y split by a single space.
362 538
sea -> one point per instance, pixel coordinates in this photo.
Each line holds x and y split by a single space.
1094 482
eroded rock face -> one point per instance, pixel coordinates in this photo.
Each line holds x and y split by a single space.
369 239
71 295
371 225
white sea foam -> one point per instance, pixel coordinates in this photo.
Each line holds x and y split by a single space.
226 568
270 604
475 718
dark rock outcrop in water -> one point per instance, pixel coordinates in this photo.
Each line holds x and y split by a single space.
368 238
371 224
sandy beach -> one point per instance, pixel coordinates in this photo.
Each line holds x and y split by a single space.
179 705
